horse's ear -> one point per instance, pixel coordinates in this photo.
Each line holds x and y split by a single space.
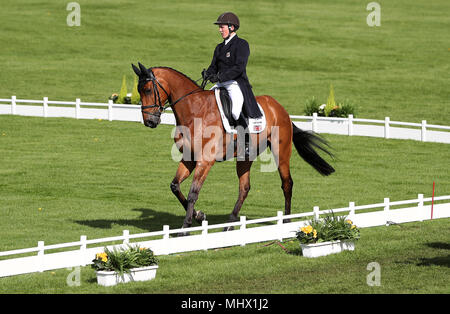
136 70
144 71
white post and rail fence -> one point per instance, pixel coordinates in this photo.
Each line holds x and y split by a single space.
203 237
344 126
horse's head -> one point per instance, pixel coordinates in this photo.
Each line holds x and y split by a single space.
154 93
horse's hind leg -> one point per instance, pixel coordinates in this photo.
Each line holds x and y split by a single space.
286 186
281 148
184 170
243 172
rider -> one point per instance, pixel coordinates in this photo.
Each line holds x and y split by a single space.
228 67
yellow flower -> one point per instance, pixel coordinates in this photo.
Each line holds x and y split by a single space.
314 233
349 222
102 256
307 229
353 227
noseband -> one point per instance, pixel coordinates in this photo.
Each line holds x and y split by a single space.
156 96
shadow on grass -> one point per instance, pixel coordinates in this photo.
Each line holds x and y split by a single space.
289 247
149 220
433 261
439 260
439 245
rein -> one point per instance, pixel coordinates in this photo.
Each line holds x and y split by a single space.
157 97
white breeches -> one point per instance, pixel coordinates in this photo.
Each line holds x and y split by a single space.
237 99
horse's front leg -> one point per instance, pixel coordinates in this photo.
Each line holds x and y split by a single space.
184 170
200 174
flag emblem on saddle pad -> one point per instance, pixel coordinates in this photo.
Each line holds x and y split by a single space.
228 54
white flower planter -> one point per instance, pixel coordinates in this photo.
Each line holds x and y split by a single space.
326 248
111 278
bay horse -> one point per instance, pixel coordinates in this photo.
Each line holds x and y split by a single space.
195 110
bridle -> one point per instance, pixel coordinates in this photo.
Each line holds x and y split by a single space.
156 96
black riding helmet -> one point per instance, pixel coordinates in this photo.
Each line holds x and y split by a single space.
228 18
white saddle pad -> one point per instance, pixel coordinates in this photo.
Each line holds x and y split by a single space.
254 125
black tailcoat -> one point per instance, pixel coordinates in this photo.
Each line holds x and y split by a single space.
230 62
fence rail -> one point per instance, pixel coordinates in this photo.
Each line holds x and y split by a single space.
344 126
246 233
375 128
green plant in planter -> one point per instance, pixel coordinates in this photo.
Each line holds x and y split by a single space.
330 109
123 260
331 103
135 97
330 228
312 105
123 92
343 110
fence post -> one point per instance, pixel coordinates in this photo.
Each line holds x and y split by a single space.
242 230
424 131
420 207
351 207
126 236
40 256
316 212
205 234
166 237
13 104
110 108
45 107
350 125
386 210
386 127
77 108
314 122
83 246
280 225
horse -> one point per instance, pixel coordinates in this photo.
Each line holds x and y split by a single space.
195 110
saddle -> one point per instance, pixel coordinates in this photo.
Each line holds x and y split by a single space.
224 104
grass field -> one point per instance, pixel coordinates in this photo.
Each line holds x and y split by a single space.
61 178
408 264
298 48
99 177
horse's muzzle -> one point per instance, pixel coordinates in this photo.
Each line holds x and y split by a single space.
152 121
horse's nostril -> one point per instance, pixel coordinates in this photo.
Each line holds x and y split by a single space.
150 123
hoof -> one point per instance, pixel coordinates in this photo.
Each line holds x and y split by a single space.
231 219
183 234
199 216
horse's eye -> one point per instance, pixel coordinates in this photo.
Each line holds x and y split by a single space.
147 91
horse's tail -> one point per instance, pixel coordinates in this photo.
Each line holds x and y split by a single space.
305 142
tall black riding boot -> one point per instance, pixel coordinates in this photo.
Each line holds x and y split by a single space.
242 149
